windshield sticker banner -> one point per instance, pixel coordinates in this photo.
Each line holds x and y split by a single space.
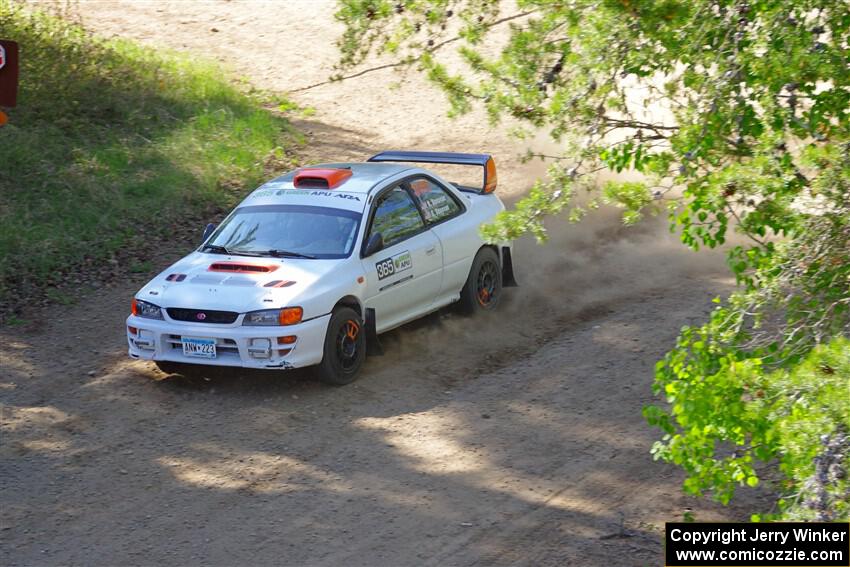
393 265
302 192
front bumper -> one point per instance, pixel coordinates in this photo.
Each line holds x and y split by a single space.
236 345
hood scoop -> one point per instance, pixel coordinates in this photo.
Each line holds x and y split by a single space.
242 268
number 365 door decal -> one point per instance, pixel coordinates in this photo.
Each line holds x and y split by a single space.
394 264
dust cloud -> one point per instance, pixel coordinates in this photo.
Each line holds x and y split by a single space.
584 270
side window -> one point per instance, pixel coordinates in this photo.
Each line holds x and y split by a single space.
396 217
437 205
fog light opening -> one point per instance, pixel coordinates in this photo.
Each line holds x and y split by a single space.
260 348
144 340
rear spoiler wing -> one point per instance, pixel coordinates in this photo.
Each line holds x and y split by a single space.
484 161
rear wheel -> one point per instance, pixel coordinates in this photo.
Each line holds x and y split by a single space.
483 288
345 348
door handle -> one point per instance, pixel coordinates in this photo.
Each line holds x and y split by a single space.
430 250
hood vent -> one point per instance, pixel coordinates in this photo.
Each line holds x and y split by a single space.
279 283
242 268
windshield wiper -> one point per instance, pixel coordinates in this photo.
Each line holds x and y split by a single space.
288 254
218 249
215 249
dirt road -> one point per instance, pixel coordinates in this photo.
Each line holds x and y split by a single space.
515 439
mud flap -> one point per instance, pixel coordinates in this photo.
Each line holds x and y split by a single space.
508 279
373 344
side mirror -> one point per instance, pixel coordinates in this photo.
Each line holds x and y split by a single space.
373 245
208 230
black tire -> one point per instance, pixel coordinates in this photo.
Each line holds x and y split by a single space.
345 348
483 288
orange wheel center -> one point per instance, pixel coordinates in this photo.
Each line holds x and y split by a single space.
351 330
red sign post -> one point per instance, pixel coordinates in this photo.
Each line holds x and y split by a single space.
8 75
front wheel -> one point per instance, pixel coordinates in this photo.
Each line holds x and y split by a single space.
483 288
344 350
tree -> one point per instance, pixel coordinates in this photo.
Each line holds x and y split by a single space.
756 136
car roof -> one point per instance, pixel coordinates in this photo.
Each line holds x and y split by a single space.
364 176
352 194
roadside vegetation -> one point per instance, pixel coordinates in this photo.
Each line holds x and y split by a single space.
111 144
735 115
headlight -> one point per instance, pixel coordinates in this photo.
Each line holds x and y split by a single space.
275 317
144 309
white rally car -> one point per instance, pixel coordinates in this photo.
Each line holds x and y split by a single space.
313 265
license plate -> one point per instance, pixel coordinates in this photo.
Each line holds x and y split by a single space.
199 348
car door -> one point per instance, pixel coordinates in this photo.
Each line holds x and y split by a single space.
444 215
404 277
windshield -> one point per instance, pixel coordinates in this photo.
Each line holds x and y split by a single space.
287 230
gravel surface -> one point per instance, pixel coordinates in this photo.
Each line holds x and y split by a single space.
514 439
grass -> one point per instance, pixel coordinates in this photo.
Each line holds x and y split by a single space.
141 267
110 140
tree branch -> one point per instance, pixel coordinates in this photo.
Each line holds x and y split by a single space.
408 61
